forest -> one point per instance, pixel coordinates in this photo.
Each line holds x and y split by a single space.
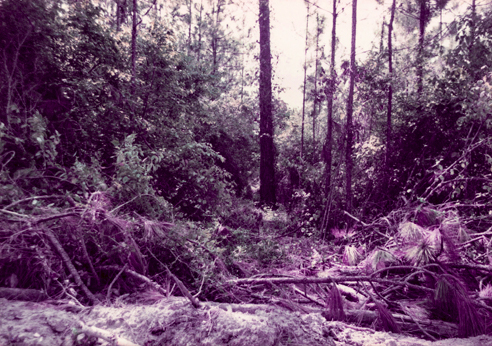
145 144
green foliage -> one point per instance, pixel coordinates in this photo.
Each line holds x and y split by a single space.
78 115
267 252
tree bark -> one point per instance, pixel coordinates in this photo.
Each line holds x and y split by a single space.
267 149
350 110
215 36
316 98
120 13
304 85
190 14
199 45
423 18
390 94
329 96
134 45
472 28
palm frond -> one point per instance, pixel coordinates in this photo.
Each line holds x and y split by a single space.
335 305
445 300
451 302
386 319
351 256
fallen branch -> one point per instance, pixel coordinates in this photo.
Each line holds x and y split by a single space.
183 289
136 275
32 198
365 224
22 294
406 310
108 295
66 259
308 296
103 334
356 219
311 280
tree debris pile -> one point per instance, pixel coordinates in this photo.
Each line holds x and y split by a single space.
419 271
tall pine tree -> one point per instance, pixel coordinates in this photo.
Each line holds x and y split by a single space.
267 157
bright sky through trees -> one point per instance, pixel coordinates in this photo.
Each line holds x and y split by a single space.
288 37
289 28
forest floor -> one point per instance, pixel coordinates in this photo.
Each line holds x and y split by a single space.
174 321
416 277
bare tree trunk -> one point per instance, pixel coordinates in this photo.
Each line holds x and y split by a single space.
243 59
199 48
390 94
472 27
215 37
134 46
267 150
120 13
304 85
350 110
423 16
381 45
329 95
315 103
190 14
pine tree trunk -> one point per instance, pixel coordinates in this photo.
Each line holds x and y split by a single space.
199 44
304 85
472 28
134 46
315 103
120 13
350 110
420 58
267 150
215 38
390 94
329 95
190 14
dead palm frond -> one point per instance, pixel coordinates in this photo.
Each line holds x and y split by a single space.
335 305
386 319
154 230
451 302
380 258
351 256
445 300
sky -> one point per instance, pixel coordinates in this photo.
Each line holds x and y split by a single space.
288 21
